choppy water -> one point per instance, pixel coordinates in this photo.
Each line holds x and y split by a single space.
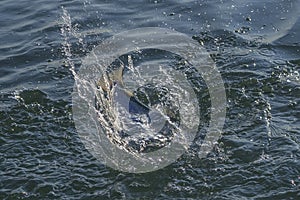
256 48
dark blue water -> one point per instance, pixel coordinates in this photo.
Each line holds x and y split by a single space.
256 48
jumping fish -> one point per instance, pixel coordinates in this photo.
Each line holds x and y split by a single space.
115 77
112 86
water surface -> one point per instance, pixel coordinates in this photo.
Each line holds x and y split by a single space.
257 54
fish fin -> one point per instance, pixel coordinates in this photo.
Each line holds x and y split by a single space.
117 75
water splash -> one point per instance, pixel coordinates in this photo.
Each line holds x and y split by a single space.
147 116
67 32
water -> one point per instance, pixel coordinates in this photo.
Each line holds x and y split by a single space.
42 47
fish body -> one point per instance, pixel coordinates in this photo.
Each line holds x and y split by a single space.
115 77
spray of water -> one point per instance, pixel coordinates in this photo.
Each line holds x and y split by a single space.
136 111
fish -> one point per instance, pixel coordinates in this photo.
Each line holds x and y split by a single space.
141 106
115 77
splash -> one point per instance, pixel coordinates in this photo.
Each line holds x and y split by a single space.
135 105
68 31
